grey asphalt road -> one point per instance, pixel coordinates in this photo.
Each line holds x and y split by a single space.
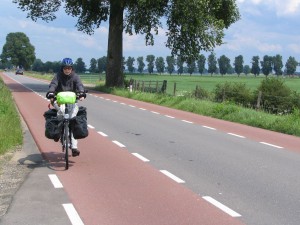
257 181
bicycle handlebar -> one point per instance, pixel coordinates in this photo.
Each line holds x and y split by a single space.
51 95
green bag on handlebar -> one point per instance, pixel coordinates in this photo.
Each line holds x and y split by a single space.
66 97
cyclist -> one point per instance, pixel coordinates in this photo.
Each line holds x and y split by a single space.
67 80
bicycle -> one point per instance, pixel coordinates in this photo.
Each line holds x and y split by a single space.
67 99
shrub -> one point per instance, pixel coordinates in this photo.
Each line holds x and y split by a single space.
276 97
233 92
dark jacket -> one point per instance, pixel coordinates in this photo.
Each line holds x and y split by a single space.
61 82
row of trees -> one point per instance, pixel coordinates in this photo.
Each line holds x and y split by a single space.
19 52
170 65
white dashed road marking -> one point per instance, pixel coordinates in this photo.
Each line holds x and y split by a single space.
72 214
172 117
186 121
119 144
172 176
55 181
211 128
221 206
103 134
141 157
236 135
275 146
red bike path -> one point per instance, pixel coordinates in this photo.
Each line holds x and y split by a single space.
108 185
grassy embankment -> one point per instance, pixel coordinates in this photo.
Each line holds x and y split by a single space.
288 124
10 124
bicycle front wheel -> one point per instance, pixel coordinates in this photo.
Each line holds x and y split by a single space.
66 145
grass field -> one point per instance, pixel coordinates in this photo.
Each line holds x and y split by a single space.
186 83
189 83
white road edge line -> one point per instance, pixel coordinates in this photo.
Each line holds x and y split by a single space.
275 146
55 181
90 126
119 144
72 214
103 134
172 176
141 157
132 106
143 109
221 206
209 127
236 135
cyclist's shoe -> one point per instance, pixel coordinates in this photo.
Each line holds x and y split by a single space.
56 139
75 152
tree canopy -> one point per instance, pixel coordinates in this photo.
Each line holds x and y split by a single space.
192 26
18 50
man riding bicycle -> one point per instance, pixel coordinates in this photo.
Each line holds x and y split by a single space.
67 80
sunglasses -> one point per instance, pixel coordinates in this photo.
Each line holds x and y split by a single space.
67 68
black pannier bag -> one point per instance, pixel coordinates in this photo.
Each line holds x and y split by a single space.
78 124
53 125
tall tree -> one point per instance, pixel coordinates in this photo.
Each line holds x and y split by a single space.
277 64
18 50
255 69
224 64
129 64
93 65
239 64
150 59
102 63
212 63
291 65
246 69
38 65
202 29
201 64
266 65
191 66
141 64
160 65
179 63
170 64
79 65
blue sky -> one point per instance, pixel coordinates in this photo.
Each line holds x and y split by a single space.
266 27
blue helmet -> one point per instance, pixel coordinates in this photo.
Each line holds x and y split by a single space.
67 62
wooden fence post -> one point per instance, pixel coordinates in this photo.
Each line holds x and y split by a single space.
259 100
174 92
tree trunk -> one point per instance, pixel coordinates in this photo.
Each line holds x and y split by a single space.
114 71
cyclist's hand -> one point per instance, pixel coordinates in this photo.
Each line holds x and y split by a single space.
81 96
50 95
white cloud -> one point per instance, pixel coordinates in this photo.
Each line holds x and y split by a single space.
281 8
294 47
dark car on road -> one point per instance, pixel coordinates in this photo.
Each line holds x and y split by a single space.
19 71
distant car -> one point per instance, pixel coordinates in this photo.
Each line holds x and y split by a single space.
19 71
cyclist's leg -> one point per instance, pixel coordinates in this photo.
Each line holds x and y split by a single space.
73 112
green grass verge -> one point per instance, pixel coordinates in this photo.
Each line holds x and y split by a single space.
11 129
